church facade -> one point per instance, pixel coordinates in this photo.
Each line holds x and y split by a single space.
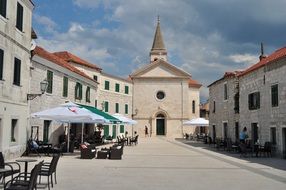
163 95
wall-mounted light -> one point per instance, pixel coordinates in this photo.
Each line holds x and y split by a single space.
135 112
43 85
102 105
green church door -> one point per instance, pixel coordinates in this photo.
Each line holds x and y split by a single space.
160 124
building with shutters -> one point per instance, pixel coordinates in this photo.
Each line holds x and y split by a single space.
15 45
256 100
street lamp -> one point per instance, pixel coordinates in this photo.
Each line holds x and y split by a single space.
43 85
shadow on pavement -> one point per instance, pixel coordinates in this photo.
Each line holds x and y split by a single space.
274 162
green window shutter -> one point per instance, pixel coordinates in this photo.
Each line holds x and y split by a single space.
78 91
17 72
121 128
116 107
274 95
106 106
50 81
114 132
126 108
258 100
19 21
106 130
1 63
65 86
3 5
87 95
106 85
117 87
126 89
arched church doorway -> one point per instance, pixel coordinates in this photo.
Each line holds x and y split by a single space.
160 124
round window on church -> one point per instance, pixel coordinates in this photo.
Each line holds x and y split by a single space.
160 95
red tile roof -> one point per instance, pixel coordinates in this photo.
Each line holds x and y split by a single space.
55 59
278 54
69 57
194 83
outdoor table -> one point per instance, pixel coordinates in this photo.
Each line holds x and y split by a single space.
26 160
3 171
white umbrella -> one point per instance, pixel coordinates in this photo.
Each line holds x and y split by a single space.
124 120
197 122
69 113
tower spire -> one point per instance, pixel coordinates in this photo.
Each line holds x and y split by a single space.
158 50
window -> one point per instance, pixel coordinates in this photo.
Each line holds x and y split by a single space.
1 63
121 128
274 95
160 95
193 106
87 94
19 21
106 85
116 107
273 135
3 5
213 106
254 101
50 81
13 130
95 103
126 90
114 132
106 130
95 77
78 91
106 106
126 108
17 71
65 86
117 87
225 91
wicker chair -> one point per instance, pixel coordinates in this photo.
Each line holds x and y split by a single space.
87 152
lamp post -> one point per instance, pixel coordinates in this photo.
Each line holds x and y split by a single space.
132 116
43 85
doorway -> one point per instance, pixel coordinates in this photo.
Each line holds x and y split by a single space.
160 124
284 142
214 133
254 132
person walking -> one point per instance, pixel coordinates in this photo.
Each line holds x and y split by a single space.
243 135
146 131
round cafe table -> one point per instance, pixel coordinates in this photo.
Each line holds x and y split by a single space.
26 160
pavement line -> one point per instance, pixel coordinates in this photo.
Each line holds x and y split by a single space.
242 166
164 167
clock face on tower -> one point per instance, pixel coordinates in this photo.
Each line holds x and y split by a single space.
160 95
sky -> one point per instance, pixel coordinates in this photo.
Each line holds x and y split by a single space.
206 38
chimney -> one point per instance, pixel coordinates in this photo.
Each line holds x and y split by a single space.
262 56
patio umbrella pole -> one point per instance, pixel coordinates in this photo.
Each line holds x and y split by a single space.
68 145
81 132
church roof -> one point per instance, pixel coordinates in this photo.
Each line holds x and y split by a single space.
158 43
69 57
193 83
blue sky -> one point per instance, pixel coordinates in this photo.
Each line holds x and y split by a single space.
205 38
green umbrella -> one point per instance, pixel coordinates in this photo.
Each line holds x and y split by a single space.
101 113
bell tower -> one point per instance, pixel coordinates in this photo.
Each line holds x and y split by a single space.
158 50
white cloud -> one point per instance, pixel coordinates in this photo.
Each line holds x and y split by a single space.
47 22
247 58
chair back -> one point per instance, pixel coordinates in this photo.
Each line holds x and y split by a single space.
34 176
54 163
2 162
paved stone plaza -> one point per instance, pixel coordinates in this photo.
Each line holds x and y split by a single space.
158 163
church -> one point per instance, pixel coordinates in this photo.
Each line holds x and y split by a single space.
164 96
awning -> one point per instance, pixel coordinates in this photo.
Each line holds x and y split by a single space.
101 113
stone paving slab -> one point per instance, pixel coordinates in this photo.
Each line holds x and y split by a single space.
159 163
